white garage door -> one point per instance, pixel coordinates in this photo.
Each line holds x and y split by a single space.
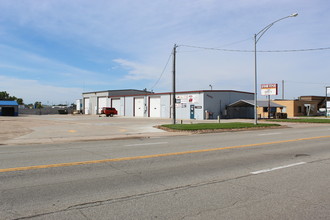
116 105
155 107
86 106
139 107
102 102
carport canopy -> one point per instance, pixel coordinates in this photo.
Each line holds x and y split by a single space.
250 103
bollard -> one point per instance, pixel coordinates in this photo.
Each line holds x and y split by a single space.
219 119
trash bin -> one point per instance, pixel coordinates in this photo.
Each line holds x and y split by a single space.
207 114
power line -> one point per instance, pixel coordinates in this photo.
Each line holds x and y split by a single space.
298 50
261 51
213 48
225 45
315 83
168 60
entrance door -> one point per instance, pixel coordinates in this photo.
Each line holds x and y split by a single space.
8 111
102 102
86 106
192 111
139 107
116 105
154 107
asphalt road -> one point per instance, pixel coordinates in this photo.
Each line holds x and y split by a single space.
267 174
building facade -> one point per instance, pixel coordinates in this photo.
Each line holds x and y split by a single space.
92 102
296 108
203 104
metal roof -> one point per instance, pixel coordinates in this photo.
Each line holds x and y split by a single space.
122 91
260 103
6 102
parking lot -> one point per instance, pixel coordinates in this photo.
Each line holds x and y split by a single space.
27 129
42 129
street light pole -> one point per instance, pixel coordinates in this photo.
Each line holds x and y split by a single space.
256 39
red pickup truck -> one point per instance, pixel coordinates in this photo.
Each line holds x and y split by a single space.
109 111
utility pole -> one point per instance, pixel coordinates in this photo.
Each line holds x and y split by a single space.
174 95
282 89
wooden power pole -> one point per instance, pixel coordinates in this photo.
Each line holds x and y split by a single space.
174 95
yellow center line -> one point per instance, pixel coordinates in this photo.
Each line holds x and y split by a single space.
152 156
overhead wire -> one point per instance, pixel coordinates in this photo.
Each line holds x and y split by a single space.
225 45
259 51
315 83
237 50
168 60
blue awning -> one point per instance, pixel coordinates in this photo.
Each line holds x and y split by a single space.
8 103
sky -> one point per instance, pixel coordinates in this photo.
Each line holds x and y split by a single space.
53 51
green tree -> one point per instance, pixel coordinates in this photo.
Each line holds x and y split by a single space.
5 96
38 105
20 101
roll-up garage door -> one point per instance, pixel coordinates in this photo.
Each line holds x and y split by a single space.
115 103
154 108
139 107
86 106
102 102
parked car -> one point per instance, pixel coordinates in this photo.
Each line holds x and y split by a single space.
109 111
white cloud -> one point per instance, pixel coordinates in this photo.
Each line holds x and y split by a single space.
32 90
137 71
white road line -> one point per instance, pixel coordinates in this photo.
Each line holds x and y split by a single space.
268 134
130 145
277 168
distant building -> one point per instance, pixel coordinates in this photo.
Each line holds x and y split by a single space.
305 105
8 108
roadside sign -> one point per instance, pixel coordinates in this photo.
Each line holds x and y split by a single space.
269 89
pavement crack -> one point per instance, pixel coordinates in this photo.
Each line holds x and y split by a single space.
209 210
82 213
147 194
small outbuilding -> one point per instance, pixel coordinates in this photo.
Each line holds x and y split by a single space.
8 108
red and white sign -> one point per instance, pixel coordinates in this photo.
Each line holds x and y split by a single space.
269 89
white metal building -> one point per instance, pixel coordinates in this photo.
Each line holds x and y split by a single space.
199 105
93 102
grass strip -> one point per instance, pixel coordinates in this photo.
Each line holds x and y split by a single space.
214 126
302 120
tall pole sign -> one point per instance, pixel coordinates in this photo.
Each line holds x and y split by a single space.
268 90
